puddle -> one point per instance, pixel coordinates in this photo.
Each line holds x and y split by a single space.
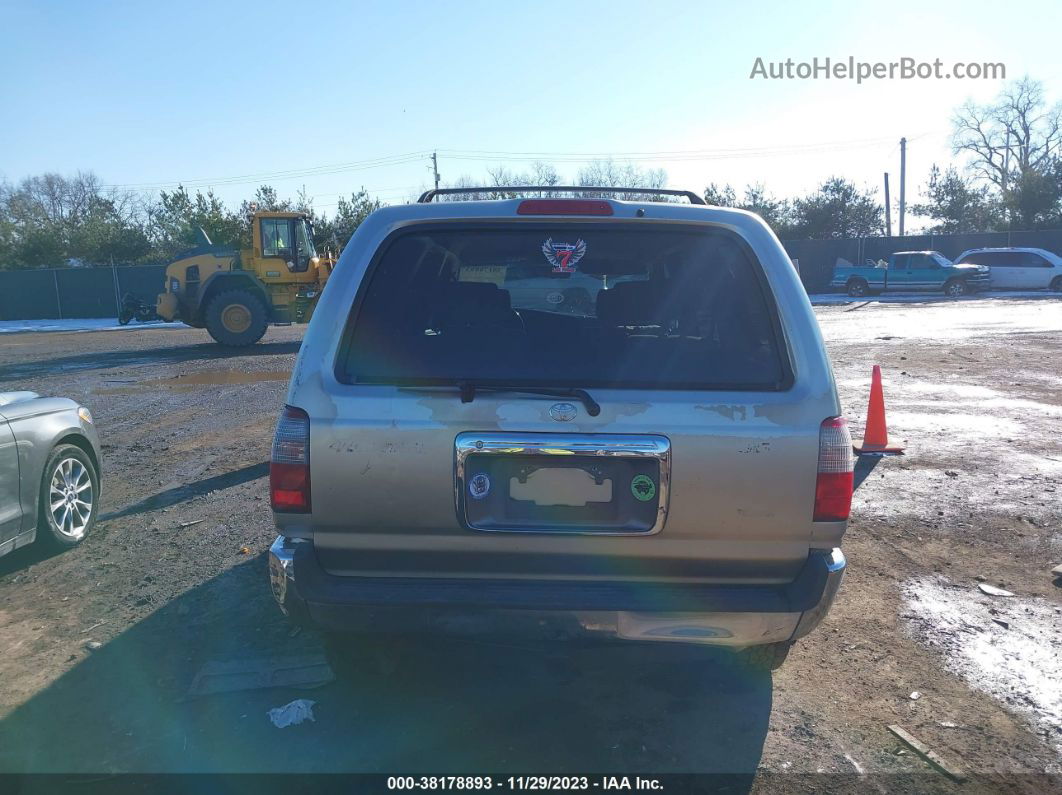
221 378
1019 664
191 381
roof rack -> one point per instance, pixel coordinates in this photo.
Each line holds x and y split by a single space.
427 196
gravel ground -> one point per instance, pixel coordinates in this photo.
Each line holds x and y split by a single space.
973 389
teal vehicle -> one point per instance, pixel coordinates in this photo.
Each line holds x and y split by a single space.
912 270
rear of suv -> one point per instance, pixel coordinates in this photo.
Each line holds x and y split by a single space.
566 416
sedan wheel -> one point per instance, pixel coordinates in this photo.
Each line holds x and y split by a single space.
955 288
69 497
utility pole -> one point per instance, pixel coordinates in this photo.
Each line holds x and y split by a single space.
888 208
903 181
435 168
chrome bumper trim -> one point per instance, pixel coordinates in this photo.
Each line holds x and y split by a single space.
282 572
836 563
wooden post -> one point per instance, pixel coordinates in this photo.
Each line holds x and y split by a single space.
888 208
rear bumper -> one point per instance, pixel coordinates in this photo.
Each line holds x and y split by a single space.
728 615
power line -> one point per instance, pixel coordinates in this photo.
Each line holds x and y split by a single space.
673 156
685 155
201 182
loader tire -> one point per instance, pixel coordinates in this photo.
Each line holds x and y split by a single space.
236 318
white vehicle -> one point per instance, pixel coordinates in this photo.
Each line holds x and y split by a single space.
1018 268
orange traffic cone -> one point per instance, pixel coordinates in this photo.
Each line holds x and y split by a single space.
876 438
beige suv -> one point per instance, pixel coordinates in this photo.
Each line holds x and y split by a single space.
565 416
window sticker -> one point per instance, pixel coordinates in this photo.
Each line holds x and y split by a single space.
493 274
564 256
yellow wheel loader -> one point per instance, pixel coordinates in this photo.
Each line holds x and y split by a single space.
235 294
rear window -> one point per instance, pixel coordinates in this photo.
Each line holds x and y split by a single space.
576 305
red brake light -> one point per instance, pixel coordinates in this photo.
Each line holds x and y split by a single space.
564 207
289 464
833 484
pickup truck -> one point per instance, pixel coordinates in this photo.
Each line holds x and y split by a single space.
912 270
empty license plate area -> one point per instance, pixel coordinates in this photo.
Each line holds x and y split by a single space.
572 493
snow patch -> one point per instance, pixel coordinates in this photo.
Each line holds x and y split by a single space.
76 324
956 425
1019 664
922 321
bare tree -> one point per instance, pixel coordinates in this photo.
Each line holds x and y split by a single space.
1014 145
610 174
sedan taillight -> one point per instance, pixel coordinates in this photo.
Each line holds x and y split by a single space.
289 464
833 484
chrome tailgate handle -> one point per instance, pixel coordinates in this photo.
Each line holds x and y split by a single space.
651 450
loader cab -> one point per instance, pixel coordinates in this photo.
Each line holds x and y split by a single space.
284 242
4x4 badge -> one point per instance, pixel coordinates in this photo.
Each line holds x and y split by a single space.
643 488
562 412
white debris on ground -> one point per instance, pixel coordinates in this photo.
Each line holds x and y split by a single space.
293 713
75 324
1010 648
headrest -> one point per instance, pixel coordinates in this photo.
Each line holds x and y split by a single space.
629 304
467 301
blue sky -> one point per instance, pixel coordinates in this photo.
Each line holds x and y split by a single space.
148 94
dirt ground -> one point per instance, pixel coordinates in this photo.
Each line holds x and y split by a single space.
974 388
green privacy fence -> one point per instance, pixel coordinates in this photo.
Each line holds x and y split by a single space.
62 293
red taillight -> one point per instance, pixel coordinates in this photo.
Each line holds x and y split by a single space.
289 465
833 485
564 207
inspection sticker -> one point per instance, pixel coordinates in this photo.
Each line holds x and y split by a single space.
643 488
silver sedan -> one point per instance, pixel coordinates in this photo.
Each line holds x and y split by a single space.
49 471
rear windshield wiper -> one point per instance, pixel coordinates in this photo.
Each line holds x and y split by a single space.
469 389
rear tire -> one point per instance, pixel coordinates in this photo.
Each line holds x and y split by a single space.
69 498
857 288
765 658
956 288
236 318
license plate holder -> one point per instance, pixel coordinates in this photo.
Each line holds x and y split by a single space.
619 487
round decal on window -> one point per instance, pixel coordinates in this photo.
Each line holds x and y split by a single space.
643 488
479 486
